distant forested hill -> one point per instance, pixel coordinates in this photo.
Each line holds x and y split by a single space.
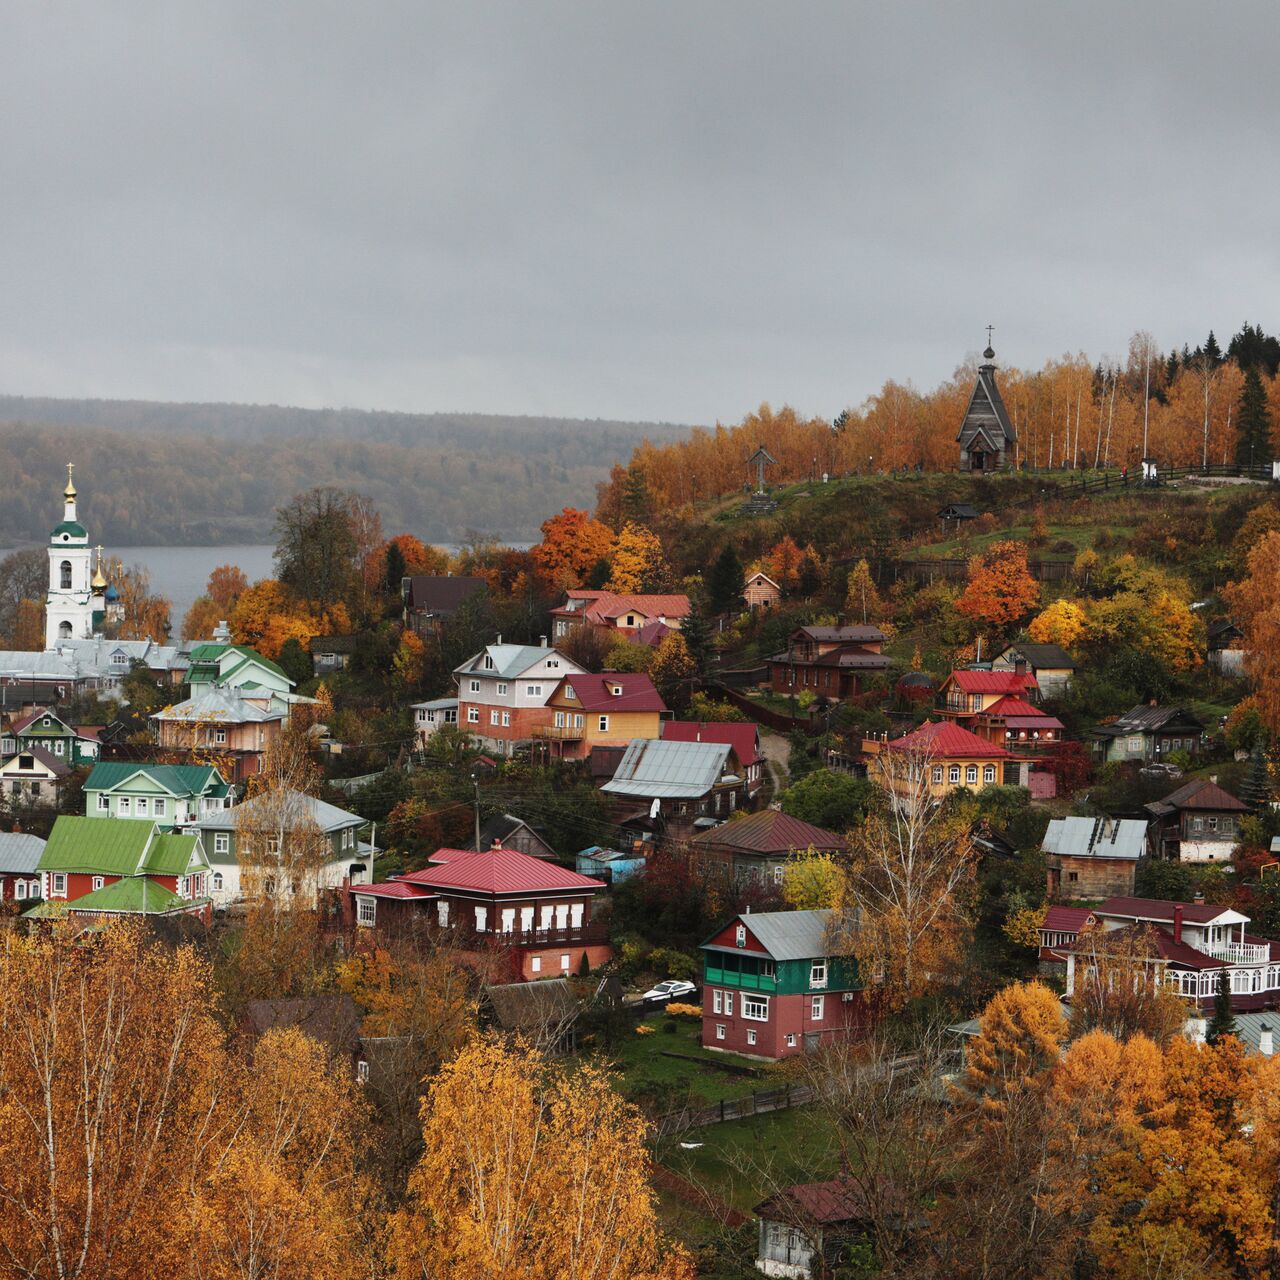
206 473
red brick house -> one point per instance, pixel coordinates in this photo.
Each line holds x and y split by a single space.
832 662
772 990
538 911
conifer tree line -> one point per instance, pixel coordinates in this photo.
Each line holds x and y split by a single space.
1185 407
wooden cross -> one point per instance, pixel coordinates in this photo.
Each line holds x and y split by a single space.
989 328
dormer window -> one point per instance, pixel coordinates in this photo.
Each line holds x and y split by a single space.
488 663
740 935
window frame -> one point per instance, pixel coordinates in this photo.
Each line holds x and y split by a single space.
366 912
755 1008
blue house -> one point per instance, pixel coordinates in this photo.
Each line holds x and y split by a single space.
610 865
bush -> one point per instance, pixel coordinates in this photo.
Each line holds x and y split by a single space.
670 1026
672 963
677 1010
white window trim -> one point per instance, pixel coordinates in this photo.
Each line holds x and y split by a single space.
366 912
761 1003
817 1007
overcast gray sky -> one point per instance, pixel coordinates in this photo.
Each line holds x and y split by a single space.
640 209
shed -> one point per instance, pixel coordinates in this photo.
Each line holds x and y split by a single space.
545 1012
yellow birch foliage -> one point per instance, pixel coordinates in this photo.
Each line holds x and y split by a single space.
1020 1037
529 1174
639 563
812 881
1062 622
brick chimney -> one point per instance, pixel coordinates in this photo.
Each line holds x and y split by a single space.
348 904
1177 922
1265 1044
1020 666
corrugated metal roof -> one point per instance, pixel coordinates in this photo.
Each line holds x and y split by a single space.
111 846
176 779
788 935
502 871
19 852
656 769
769 831
300 806
1096 837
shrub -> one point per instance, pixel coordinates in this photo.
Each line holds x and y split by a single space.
644 1029
673 963
670 1026
684 1011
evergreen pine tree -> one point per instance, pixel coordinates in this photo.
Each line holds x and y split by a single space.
637 502
599 575
294 661
1253 444
395 569
725 581
1212 350
1222 1023
697 636
1171 368
1256 791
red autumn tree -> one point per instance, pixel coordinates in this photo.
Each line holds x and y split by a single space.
572 545
1001 590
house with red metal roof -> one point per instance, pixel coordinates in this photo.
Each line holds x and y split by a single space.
600 710
1199 822
1187 945
758 846
1060 927
803 1228
831 662
952 757
743 739
967 692
622 614
534 910
1016 723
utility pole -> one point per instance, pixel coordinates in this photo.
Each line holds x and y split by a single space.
476 783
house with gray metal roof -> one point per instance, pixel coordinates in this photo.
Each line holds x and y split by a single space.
1092 858
772 987
689 786
19 866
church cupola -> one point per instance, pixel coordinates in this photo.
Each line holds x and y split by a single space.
70 530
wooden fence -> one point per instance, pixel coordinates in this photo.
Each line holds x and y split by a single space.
762 715
760 1103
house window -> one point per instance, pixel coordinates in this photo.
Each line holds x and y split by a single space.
740 935
535 964
564 962
719 1030
104 803
815 1008
616 690
222 842
366 911
475 686
937 775
559 719
158 807
604 724
57 747
143 806
20 890
473 715
715 1001
755 1007
217 879
751 1035
442 912
818 973
482 915
728 1003
219 736
494 718
791 1040
362 1071
1212 823
989 773
488 662
59 884
506 719
971 773
502 690
1072 876
123 805
953 774
777 874
533 690
98 882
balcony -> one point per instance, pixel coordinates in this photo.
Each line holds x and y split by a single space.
1240 952
558 733
746 981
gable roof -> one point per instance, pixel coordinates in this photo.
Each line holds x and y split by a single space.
959 511
666 606
132 895
500 871
54 764
943 740
768 831
971 681
1202 794
1161 910
1145 718
19 852
818 1203
1096 837
500 827
437 593
176 779
785 935
512 660
1060 919
652 768
328 817
1041 655
331 1020
760 575
854 634
743 737
1011 705
223 704
595 692
531 1006
115 847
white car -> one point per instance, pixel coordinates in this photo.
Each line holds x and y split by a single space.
672 989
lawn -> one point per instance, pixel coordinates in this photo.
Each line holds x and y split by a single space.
743 1161
664 1084
966 545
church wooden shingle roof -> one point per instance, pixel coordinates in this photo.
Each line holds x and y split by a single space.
986 415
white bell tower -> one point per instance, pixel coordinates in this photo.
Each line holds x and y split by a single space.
68 611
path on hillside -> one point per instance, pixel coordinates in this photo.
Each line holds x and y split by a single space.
776 751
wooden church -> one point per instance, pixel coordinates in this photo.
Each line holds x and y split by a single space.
987 438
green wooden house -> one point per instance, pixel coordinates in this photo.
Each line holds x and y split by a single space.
168 795
47 729
234 666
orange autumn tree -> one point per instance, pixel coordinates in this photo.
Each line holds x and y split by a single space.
639 563
1020 1035
227 583
572 545
782 563
1255 604
1000 591
266 615
529 1173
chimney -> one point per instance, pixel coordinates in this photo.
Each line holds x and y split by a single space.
497 844
1153 703
1265 1045
1198 899
1213 777
1177 922
499 639
1020 666
1196 1029
542 641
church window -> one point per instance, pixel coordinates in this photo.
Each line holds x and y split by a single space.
64 571
64 631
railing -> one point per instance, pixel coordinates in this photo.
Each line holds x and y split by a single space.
560 732
1240 952
585 933
745 981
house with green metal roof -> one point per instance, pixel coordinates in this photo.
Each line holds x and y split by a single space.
168 795
236 666
45 728
111 868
